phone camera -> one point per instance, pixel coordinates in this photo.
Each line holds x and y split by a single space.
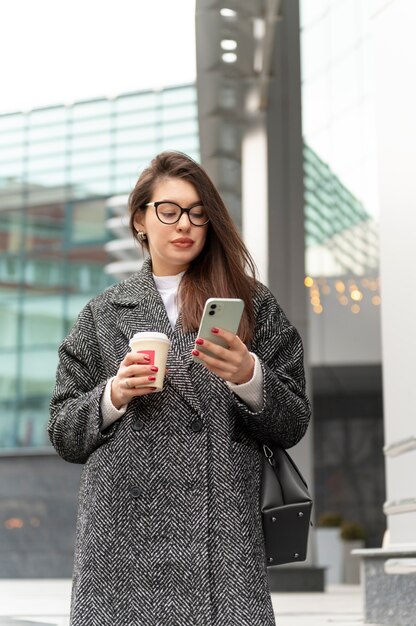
213 306
211 313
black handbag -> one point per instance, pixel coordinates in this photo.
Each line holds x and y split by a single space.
286 507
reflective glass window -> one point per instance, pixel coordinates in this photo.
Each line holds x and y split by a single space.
9 153
12 122
88 222
81 142
47 162
138 135
186 111
178 129
92 125
8 311
89 157
46 116
45 228
177 96
52 132
136 101
11 229
91 109
138 118
42 148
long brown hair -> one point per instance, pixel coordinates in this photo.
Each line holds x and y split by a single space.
224 268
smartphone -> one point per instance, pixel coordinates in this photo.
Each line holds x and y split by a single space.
223 313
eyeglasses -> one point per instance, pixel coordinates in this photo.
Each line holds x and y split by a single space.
170 213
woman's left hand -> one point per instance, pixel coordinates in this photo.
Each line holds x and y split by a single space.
234 364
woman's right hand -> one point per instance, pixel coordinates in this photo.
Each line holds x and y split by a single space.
135 369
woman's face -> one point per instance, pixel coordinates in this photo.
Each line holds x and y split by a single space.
172 246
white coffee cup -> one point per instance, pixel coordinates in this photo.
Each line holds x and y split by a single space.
156 346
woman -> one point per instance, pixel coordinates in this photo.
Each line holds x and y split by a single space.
169 526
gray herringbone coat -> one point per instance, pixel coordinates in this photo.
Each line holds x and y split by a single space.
169 527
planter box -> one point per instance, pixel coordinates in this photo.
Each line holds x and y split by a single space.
351 574
329 553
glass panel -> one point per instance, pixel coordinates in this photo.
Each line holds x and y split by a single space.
10 230
187 111
91 156
91 172
47 147
183 144
316 92
178 129
136 101
315 48
88 221
42 317
178 95
124 184
91 125
346 85
91 109
38 370
12 169
345 27
135 153
11 152
49 115
12 138
8 312
47 162
54 131
311 11
11 122
45 187
12 194
138 118
8 399
45 226
139 135
91 142
103 187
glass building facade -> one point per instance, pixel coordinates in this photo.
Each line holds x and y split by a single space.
58 166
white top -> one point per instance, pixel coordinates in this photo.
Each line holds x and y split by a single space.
251 392
167 287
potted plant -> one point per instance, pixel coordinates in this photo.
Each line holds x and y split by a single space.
329 547
353 538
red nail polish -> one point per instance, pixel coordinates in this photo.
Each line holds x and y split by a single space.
145 356
215 330
154 368
152 378
195 352
199 341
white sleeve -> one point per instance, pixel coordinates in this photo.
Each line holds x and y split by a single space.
251 392
108 411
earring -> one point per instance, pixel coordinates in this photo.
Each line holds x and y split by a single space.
141 236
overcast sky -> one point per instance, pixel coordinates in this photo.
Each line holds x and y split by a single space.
61 51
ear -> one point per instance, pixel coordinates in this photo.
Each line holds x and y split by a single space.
138 222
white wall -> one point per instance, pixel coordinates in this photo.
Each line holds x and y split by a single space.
395 95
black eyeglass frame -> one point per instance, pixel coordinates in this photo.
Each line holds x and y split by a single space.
156 204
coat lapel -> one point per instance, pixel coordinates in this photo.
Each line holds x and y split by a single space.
139 308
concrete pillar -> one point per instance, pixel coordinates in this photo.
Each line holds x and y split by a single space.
390 573
273 216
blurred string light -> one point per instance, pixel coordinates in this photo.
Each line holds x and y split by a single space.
348 292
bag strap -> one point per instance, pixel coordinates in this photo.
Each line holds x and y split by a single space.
270 456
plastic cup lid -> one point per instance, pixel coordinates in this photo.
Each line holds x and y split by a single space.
151 335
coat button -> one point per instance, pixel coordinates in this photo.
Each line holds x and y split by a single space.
196 425
136 492
138 425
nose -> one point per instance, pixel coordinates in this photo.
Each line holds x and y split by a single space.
184 222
